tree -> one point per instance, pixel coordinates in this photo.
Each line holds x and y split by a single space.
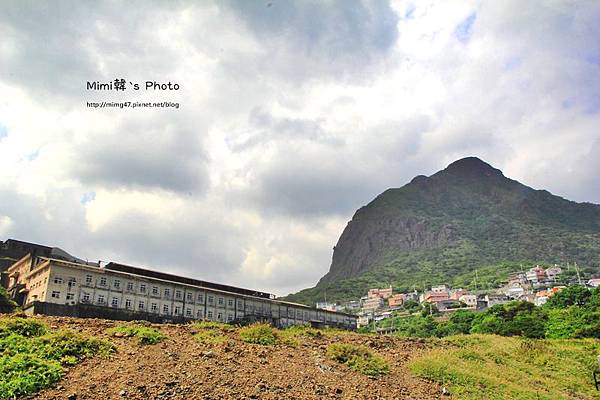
6 303
570 296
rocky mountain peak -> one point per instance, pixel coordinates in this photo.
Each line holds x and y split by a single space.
471 166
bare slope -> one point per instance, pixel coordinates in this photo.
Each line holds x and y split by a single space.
182 368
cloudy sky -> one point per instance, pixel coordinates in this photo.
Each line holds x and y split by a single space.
292 115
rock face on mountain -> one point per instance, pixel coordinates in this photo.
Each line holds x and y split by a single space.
363 244
440 229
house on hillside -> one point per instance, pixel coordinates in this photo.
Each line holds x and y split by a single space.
553 272
536 275
433 297
494 299
469 299
382 293
396 300
594 282
439 289
372 304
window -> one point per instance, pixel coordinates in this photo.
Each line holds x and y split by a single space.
201 297
103 281
178 294
115 302
229 317
100 299
117 284
188 312
230 303
128 304
177 310
142 288
209 314
88 279
154 307
219 316
70 296
211 300
130 286
72 281
86 298
240 305
165 309
199 314
55 294
155 290
167 292
220 301
58 280
189 296
142 305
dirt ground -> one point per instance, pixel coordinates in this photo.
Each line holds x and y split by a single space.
181 368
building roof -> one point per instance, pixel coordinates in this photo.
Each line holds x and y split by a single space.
188 281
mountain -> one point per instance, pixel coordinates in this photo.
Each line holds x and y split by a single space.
467 225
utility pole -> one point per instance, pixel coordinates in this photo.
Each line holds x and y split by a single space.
578 276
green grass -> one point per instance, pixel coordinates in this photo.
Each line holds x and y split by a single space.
214 325
262 334
33 358
358 358
146 335
495 367
22 327
211 333
210 337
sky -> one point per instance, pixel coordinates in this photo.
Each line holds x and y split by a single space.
292 115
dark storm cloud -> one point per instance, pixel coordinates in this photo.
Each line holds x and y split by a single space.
149 154
58 221
193 246
303 189
316 37
53 48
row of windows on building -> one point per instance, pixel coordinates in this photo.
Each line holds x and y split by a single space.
155 291
177 310
154 307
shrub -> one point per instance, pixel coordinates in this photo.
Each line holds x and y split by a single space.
69 347
145 334
358 358
214 325
6 302
26 373
301 330
210 336
22 326
32 356
258 334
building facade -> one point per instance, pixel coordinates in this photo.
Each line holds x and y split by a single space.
142 291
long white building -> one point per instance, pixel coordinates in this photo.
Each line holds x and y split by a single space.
55 286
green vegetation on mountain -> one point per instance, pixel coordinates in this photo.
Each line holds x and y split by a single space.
570 314
467 225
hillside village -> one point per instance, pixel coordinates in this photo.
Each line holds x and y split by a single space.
535 285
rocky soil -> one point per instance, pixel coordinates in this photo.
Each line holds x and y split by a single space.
181 368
